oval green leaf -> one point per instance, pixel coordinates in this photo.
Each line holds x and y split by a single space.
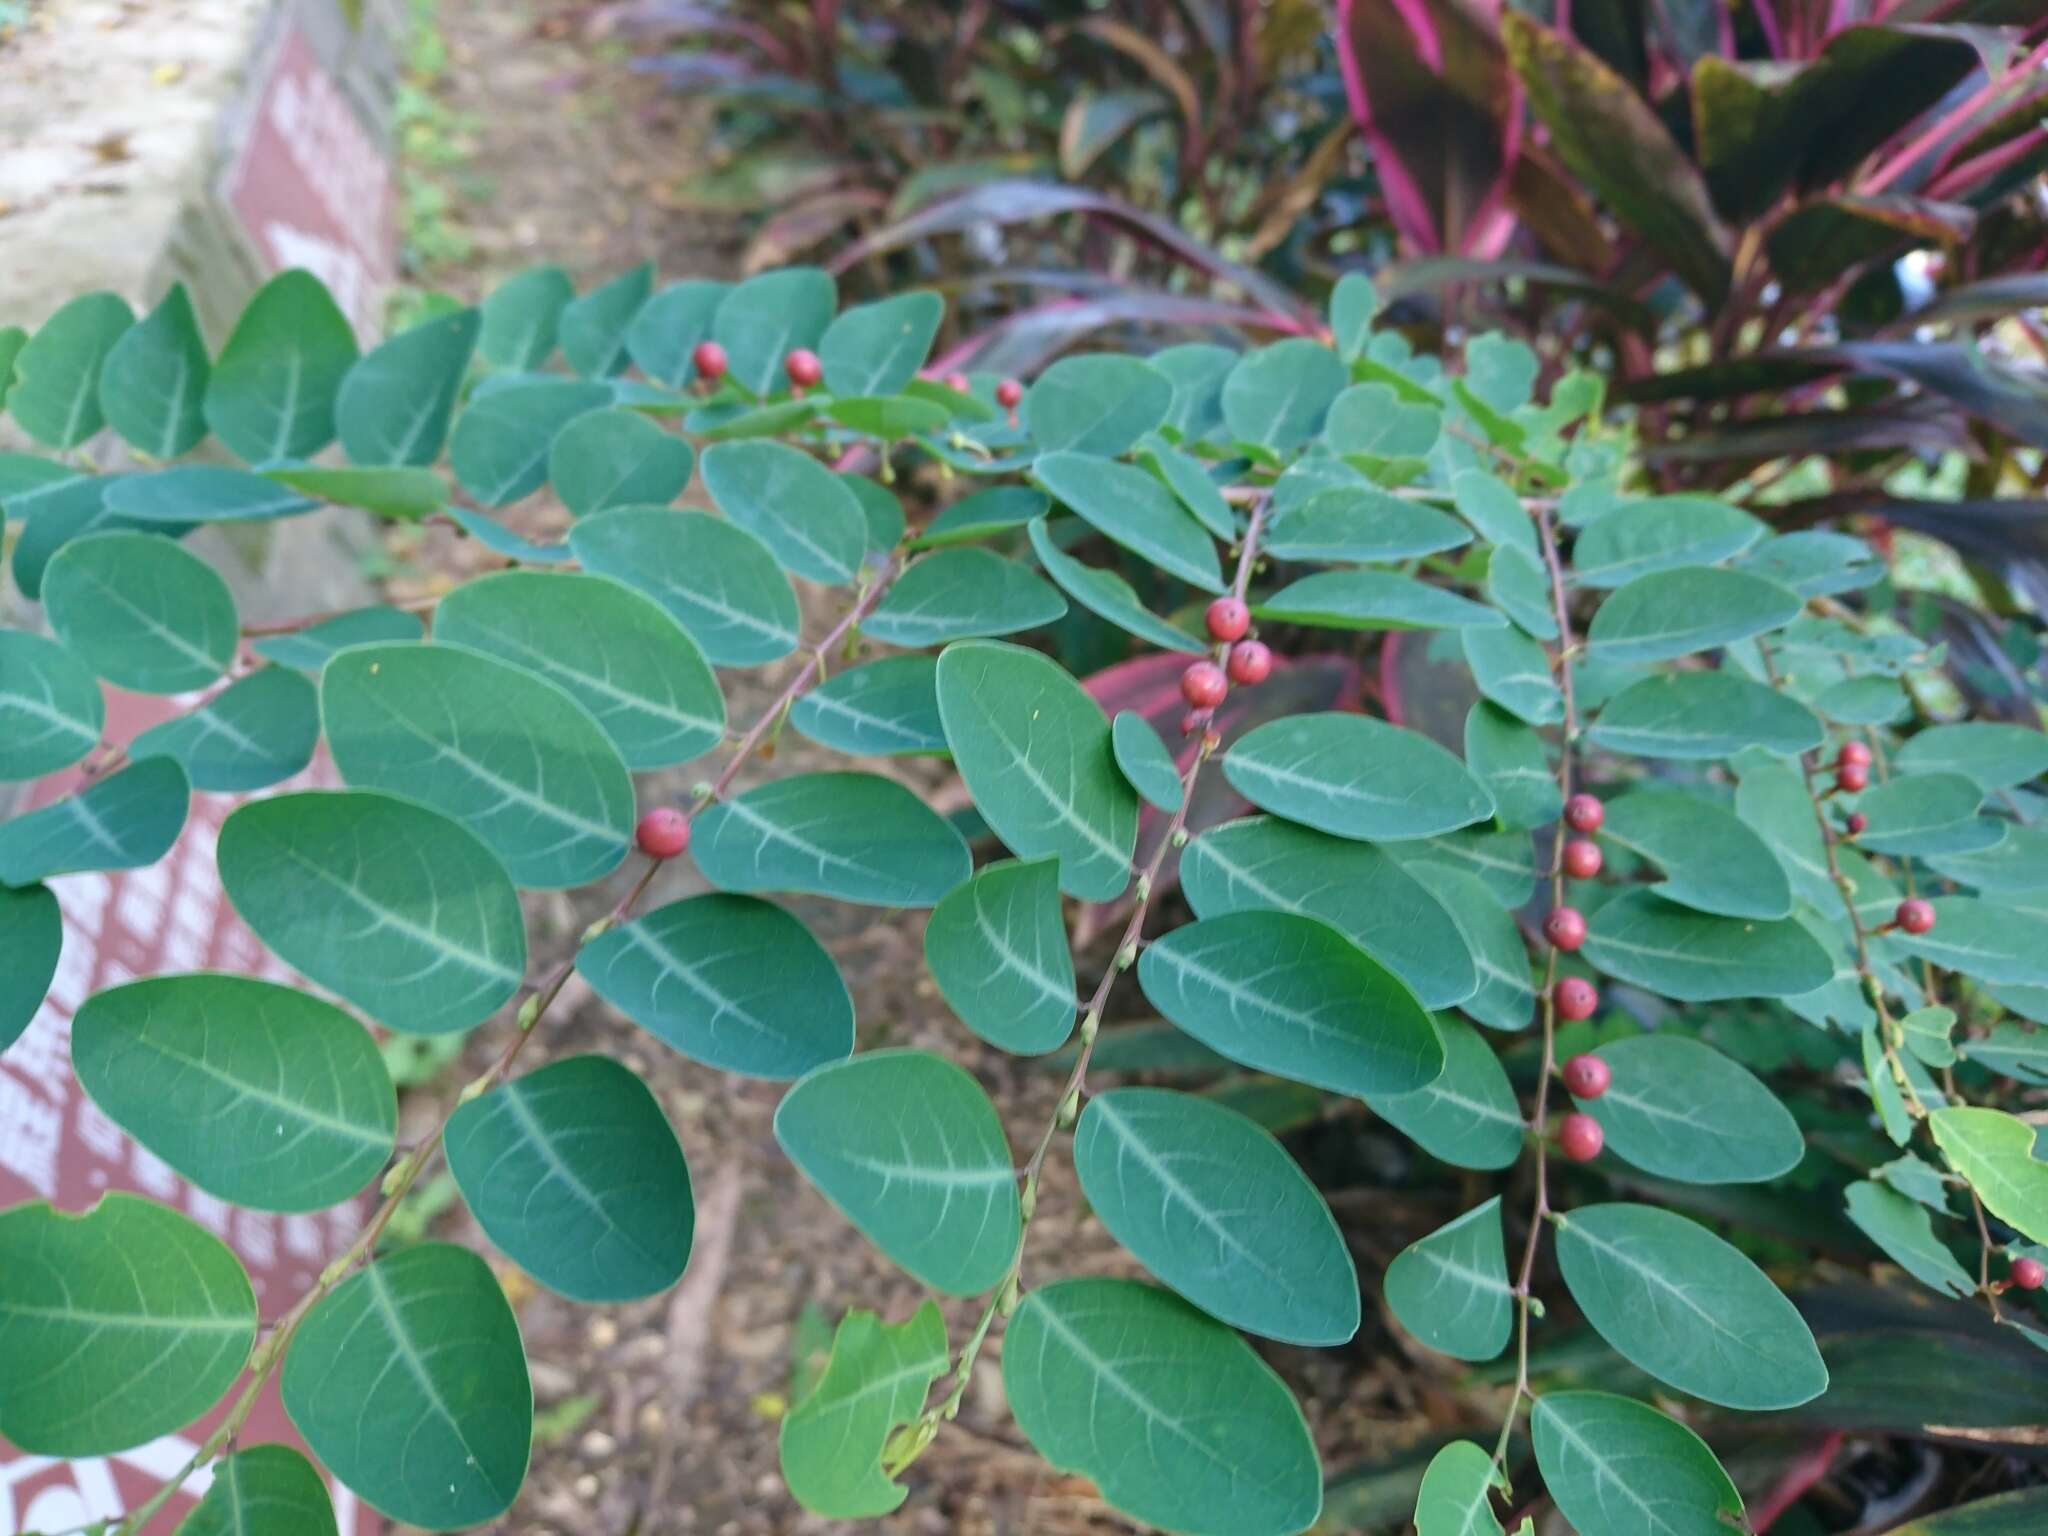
1681 1110
51 711
500 448
1097 403
793 504
1660 534
997 947
1469 1117
1509 758
258 731
876 1378
1450 1289
1704 715
1355 777
617 458
876 349
32 935
718 580
1668 614
853 836
267 1490
1996 756
1711 860
54 380
1278 396
153 384
1143 759
395 404
887 708
1130 507
311 648
1373 600
1361 523
141 612
1618 1468
962 594
125 821
762 320
274 386
1506 995
1696 957
1107 595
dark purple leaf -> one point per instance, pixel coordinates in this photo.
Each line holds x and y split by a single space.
1992 299
1412 277
1025 342
1818 242
1725 380
1961 373
1923 426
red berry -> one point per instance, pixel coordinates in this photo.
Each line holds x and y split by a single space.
1854 752
1009 394
1857 822
803 368
1191 722
1582 859
1250 662
1586 1076
663 832
1575 998
1914 915
1584 813
1852 777
2028 1274
1565 927
710 360
959 383
1203 685
1580 1138
1229 619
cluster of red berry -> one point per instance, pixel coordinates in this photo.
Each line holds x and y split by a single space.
807 372
1579 1136
1204 684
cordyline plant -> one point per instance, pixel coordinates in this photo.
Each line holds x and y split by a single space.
1750 807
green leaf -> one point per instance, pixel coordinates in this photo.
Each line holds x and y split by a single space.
877 348
1667 614
1455 1498
1136 511
1503 862
1278 396
1994 1151
833 1442
1712 861
718 580
886 708
1984 940
500 448
1143 759
409 1383
56 392
1353 304
992 511
273 390
141 612
1034 750
1864 701
1509 759
1921 813
391 906
910 1150
1292 996
1196 371
1492 507
64 513
664 335
573 1171
617 458
1261 862
121 1324
153 382
1373 600
310 649
1815 563
521 317
1107 595
1514 672
882 510
1450 1289
267 1490
1191 485
203 493
1095 404
1681 1110
1213 1205
618 654
125 821
1661 533
1500 371
1093 1367
258 731
1355 777
730 981
32 934
1361 523
51 711
1617 1468
961 594
1704 715
1506 996
515 759
791 503
1696 957
1468 1117
997 947
395 405
1995 756
262 1095
410 494
1374 418
1520 588
593 328
851 836
1903 1230
765 318
1678 1302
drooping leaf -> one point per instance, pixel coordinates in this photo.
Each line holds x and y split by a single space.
997 947
258 731
615 652
395 404
1136 511
1703 715
141 612
1278 396
1143 760
851 836
962 594
1450 1289
127 820
153 382
1213 1205
1373 600
1667 614
105 1353
275 383
1320 1011
257 1093
1904 1232
1189 480
521 317
409 1383
718 580
55 394
1681 1110
731 981
1697 957
791 503
1663 533
1092 1367
32 935
1994 1151
765 318
1361 523
1468 1117
309 649
1355 777
1509 759
1492 507
885 708
513 758
573 1171
1095 404
1107 595
1681 1304
394 907
266 1490
1712 861
1618 1468
51 711
499 450
834 1441
1035 752
617 458
593 327
1456 1496
1506 995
